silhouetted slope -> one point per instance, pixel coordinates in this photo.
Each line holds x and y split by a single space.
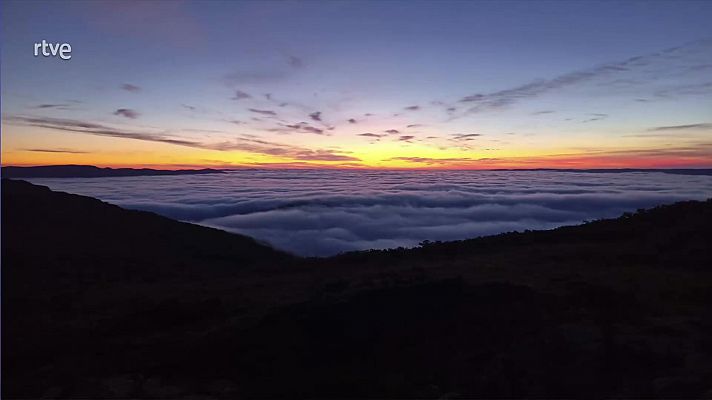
614 308
90 171
86 234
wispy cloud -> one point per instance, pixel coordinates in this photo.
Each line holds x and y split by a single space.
371 135
245 142
481 102
701 126
58 106
127 112
406 138
595 117
465 136
433 161
68 151
392 131
412 108
131 88
322 155
302 127
315 116
263 112
240 95
91 128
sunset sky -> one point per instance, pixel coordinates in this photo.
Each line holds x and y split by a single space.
359 84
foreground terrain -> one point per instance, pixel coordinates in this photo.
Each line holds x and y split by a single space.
103 302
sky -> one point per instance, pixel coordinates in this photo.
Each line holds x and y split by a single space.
362 84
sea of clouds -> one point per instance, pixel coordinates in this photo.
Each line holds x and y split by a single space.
325 212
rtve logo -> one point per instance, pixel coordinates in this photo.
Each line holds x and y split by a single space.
63 50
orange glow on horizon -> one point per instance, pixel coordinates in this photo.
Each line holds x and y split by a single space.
571 161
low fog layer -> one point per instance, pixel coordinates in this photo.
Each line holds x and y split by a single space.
321 213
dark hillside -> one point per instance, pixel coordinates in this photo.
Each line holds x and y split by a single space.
60 233
102 302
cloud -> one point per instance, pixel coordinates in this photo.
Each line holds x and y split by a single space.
59 106
593 119
335 211
371 135
131 88
252 144
465 136
433 161
239 95
414 126
352 121
543 112
246 143
412 108
322 155
481 102
315 116
127 112
68 151
303 127
263 112
392 131
704 126
406 138
91 128
295 62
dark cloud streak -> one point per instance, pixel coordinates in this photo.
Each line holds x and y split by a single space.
127 112
130 88
702 126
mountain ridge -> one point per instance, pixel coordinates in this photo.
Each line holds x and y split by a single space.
90 171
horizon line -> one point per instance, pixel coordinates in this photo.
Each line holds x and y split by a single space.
169 167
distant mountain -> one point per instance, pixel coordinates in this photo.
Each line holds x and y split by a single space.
102 302
89 171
